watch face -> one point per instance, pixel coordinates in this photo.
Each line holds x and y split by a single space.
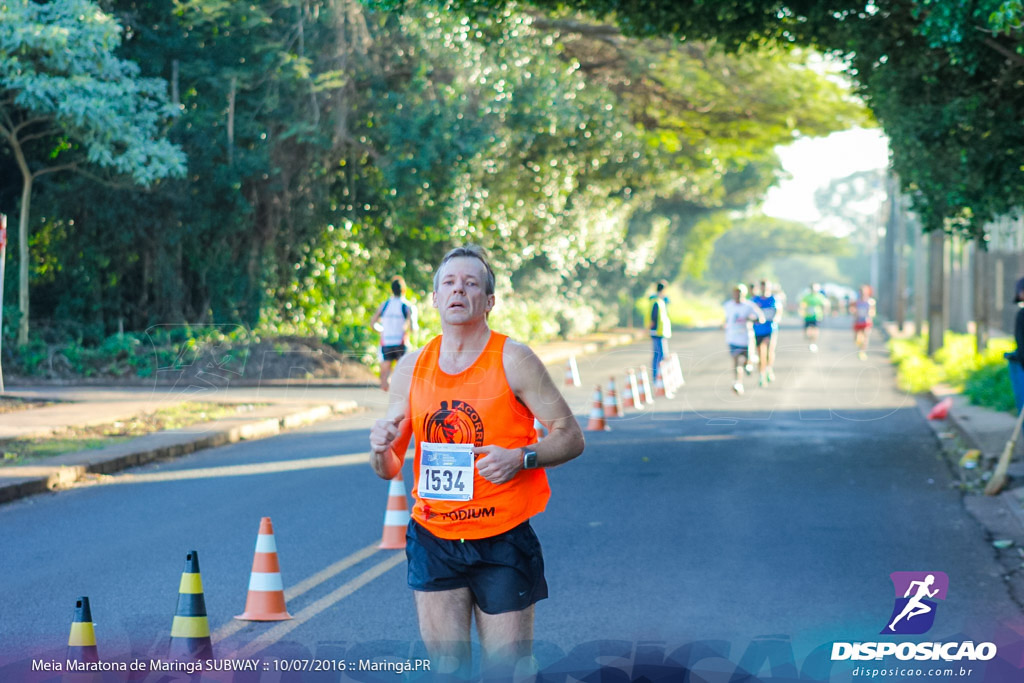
530 460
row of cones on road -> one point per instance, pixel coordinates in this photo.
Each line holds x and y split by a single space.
667 379
637 393
190 629
265 601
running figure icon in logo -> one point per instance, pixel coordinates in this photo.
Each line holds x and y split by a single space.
916 589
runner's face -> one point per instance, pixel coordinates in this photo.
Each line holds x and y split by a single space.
461 295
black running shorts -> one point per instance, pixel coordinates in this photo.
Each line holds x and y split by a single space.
505 573
390 353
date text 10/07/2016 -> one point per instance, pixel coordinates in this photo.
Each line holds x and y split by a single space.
392 666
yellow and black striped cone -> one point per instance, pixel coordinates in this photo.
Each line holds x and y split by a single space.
82 640
190 633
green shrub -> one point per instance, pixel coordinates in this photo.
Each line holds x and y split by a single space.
989 386
918 374
983 378
957 358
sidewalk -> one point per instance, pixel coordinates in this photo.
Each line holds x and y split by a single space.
987 430
288 405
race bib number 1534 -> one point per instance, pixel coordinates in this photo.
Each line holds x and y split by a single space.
446 471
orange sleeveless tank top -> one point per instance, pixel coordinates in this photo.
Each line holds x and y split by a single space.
475 406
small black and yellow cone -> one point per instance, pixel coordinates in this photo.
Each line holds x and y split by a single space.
82 640
190 633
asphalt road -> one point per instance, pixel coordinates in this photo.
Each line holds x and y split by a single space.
767 522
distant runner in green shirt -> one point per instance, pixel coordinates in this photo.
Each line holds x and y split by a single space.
813 305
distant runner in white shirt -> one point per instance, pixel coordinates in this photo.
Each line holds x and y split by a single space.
395 319
740 313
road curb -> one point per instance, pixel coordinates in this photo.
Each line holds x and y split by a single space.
66 470
1002 515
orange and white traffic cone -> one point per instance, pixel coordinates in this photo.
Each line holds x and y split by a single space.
396 517
645 384
596 422
677 370
663 381
612 407
265 601
82 639
539 429
632 392
572 373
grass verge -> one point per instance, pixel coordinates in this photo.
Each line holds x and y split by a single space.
72 439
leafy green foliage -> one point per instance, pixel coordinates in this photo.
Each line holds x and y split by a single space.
989 385
983 377
942 78
60 77
67 101
331 146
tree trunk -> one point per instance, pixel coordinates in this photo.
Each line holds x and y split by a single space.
900 225
26 205
936 289
981 296
231 119
920 277
887 294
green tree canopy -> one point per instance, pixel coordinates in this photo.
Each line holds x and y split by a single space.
67 101
331 146
941 77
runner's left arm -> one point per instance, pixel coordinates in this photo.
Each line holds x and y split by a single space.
531 384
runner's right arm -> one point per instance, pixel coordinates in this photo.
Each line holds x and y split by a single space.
376 316
532 385
390 435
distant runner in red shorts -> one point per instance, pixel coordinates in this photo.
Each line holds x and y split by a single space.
863 310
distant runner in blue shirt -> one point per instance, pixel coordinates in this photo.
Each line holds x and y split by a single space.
766 334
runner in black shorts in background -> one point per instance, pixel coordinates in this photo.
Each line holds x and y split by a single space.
395 319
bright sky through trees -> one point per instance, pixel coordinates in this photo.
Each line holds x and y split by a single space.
814 162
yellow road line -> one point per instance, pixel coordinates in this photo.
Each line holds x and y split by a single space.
236 625
335 569
285 627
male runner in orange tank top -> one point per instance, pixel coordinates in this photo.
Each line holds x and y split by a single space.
470 397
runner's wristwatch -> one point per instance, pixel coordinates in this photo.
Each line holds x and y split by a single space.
529 459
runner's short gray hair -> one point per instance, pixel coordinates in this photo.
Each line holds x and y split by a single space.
470 251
